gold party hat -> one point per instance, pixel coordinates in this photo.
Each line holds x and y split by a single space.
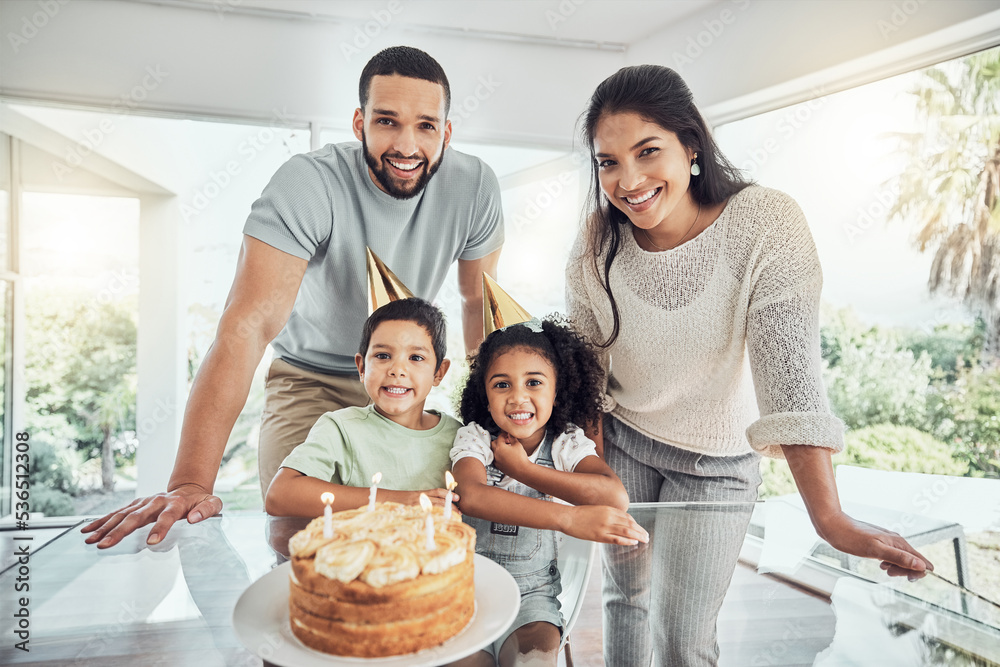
499 310
383 285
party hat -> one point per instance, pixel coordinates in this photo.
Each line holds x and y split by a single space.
383 285
499 310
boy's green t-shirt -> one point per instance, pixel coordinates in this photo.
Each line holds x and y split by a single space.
350 445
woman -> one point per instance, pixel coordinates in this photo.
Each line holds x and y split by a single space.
683 270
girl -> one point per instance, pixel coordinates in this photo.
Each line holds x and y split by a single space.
529 387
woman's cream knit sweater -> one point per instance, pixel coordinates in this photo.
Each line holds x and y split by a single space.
706 324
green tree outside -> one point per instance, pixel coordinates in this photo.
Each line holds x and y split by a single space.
80 371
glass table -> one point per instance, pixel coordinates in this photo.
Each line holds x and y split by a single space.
172 604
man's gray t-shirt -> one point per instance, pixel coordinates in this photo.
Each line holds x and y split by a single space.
323 207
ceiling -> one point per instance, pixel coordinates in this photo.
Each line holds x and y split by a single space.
613 23
521 70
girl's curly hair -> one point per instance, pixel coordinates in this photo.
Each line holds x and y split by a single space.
579 376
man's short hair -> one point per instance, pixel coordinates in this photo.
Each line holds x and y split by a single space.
413 310
404 61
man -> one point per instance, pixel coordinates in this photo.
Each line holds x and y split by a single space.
301 278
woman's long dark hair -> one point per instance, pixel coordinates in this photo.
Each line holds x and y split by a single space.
658 95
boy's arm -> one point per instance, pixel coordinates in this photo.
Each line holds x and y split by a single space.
293 493
588 522
592 482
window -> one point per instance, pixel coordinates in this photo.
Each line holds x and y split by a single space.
80 286
6 349
898 182
870 168
82 248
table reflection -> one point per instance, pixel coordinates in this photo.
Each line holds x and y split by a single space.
278 530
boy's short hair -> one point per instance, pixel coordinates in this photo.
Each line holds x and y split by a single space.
413 310
404 61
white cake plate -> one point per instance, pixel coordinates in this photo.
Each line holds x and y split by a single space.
260 619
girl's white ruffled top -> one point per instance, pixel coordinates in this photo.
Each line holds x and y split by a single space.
568 449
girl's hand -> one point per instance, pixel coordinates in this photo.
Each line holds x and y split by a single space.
437 497
599 523
508 454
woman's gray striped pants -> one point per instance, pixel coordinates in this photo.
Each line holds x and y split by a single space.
690 559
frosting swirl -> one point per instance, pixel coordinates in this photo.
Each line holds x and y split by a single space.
384 546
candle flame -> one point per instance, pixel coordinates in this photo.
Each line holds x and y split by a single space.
425 502
449 480
327 498
376 478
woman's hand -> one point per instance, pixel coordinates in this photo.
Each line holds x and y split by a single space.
599 523
813 472
188 501
508 455
869 541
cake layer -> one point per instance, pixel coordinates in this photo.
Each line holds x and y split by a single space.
384 639
383 612
358 591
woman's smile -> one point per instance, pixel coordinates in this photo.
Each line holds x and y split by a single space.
642 201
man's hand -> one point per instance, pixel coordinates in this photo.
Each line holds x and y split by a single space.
190 502
600 523
869 541
508 455
470 286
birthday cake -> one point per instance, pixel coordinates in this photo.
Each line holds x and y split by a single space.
383 584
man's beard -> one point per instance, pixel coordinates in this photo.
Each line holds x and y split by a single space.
390 184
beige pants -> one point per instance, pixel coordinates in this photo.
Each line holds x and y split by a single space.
294 399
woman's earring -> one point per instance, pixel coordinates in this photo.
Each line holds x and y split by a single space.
695 169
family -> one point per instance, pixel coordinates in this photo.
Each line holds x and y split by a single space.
682 272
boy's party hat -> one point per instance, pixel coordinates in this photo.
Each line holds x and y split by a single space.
499 310
383 285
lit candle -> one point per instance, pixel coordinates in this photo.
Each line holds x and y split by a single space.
376 478
327 499
450 484
425 502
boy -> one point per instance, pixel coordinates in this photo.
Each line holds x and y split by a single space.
400 359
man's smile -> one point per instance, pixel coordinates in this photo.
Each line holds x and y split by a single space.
404 169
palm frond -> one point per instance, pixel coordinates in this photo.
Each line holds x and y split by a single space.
950 190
